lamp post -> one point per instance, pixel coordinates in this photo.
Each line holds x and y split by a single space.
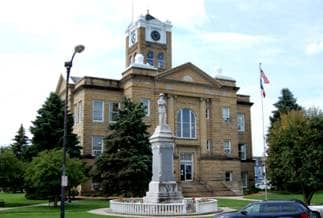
64 180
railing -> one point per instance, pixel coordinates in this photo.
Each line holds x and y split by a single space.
141 208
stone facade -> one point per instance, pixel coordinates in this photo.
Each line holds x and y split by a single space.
203 112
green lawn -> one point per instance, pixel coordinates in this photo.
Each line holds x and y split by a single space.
79 208
17 200
317 198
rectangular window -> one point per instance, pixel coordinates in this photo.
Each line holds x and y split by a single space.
76 118
97 111
97 145
208 144
243 151
228 176
146 104
244 179
240 122
227 146
113 111
207 113
226 114
80 111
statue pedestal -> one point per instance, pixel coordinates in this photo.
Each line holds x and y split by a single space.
163 187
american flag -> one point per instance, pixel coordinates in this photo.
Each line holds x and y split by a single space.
263 79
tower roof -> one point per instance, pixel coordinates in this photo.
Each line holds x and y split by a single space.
149 17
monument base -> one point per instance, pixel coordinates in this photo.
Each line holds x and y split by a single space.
160 192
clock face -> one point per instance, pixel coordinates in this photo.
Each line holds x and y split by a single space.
155 35
133 37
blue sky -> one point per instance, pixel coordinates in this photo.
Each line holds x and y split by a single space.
38 36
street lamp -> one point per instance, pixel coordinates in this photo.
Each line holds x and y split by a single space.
64 180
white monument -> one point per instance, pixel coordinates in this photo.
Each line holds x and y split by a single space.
163 197
163 186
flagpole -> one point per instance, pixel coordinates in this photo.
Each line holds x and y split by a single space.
263 140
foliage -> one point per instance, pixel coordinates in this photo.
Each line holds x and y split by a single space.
295 156
11 171
125 166
43 174
286 103
20 143
48 128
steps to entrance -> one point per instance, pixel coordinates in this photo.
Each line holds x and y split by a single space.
196 189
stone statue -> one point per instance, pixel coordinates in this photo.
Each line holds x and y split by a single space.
162 109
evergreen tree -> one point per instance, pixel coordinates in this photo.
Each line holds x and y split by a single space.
48 128
286 103
20 143
125 166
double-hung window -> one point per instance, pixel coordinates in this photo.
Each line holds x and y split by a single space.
146 104
241 122
243 151
97 145
226 114
113 111
97 111
227 146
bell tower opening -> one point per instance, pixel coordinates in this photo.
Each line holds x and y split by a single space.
153 39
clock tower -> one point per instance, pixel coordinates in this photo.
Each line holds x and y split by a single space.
151 38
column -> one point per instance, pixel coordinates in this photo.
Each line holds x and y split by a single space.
203 128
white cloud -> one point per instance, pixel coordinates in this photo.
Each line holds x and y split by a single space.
232 37
314 48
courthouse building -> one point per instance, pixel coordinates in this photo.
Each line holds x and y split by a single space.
210 121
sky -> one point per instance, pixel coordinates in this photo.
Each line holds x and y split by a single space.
228 36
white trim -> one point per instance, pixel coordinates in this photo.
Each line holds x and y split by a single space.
226 113
191 114
111 111
148 105
102 111
227 148
241 122
96 152
243 151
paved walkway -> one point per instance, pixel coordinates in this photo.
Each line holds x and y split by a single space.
107 211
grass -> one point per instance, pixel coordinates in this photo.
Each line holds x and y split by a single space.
317 198
76 209
18 200
79 208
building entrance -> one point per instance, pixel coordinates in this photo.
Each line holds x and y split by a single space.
186 166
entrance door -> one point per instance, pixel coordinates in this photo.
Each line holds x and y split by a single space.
186 166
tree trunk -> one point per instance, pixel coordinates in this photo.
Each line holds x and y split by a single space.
55 200
308 194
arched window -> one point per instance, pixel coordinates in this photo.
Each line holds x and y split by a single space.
150 58
161 60
186 124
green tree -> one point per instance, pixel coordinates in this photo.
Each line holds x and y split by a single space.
11 171
43 175
125 166
20 143
48 128
295 157
286 102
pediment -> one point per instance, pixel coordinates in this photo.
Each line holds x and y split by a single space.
188 73
60 87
